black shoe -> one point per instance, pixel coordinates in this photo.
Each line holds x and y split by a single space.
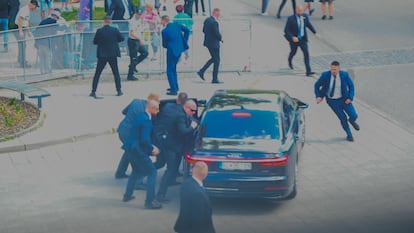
171 93
141 186
355 125
93 94
119 93
174 183
162 200
132 78
216 82
126 199
201 75
290 65
153 205
350 138
278 16
323 17
121 176
310 74
331 17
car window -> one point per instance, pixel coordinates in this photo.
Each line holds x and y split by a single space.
287 113
243 124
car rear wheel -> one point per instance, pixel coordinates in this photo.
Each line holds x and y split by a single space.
295 180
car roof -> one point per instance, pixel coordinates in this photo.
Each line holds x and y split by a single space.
252 99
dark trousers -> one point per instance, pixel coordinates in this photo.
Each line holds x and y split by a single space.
304 47
171 172
202 6
141 166
134 48
341 109
282 4
265 3
113 62
215 60
188 7
21 43
172 61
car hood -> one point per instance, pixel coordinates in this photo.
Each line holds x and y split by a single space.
262 145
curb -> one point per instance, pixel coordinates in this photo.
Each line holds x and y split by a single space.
38 145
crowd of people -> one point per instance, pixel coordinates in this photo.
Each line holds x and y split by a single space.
326 5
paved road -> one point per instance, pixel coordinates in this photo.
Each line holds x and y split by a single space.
359 187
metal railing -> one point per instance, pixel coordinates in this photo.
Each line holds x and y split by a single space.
62 50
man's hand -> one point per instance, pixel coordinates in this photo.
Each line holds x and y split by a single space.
318 100
317 36
295 39
348 101
155 151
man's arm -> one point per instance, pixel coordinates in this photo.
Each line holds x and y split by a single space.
186 31
216 31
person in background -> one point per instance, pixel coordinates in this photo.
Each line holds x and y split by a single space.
186 20
203 9
136 45
282 4
46 8
212 39
296 34
84 12
330 8
151 23
107 39
23 21
265 3
4 22
175 40
308 6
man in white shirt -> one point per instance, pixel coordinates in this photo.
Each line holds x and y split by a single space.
23 22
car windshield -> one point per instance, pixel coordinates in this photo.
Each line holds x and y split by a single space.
240 124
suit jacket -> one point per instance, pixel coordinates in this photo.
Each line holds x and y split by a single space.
321 87
117 9
172 125
139 138
195 209
292 28
175 38
107 39
212 35
131 112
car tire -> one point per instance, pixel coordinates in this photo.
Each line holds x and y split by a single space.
294 192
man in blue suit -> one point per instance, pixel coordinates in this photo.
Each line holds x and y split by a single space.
296 34
138 147
131 111
175 40
338 89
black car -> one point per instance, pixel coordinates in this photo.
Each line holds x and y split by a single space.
251 141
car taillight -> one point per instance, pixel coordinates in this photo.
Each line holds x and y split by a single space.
281 161
193 160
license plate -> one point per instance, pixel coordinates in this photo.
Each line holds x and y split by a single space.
235 166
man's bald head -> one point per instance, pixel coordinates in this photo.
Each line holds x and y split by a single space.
200 170
299 10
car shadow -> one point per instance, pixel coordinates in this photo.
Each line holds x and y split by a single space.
242 206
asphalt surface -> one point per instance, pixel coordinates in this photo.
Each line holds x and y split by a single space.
359 187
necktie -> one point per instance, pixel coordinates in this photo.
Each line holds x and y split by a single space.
333 87
300 25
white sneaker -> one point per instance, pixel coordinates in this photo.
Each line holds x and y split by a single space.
264 13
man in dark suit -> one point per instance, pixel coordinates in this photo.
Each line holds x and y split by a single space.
131 111
107 39
175 40
172 127
296 34
212 39
195 207
338 89
121 9
138 147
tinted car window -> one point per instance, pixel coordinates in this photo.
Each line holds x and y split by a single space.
240 124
